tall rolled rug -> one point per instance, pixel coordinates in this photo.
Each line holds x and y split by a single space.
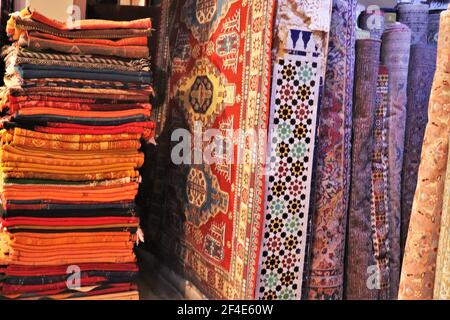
379 187
442 279
419 262
326 276
395 56
415 16
359 256
420 79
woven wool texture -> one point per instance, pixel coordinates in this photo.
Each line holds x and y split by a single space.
395 56
334 155
380 196
419 262
415 16
420 80
359 241
213 235
442 279
433 27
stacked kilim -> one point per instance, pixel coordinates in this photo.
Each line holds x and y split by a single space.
72 129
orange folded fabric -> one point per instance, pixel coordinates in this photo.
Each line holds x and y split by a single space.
70 155
94 247
46 239
60 145
34 43
63 197
6 156
75 138
135 41
72 177
69 196
71 188
122 296
92 24
113 257
32 167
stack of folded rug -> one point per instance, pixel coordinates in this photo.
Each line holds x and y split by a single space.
75 112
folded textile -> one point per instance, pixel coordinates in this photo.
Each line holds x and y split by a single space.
125 291
67 213
64 222
76 93
70 155
71 194
135 161
36 285
123 256
84 114
131 295
102 275
100 94
69 172
71 134
76 138
74 106
16 55
134 41
28 71
45 119
29 20
48 206
17 270
81 91
91 176
17 140
43 240
85 84
37 43
146 129
19 154
103 228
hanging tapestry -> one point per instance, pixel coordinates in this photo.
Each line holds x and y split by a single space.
420 80
442 279
419 262
298 75
326 275
359 242
395 56
219 84
415 16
